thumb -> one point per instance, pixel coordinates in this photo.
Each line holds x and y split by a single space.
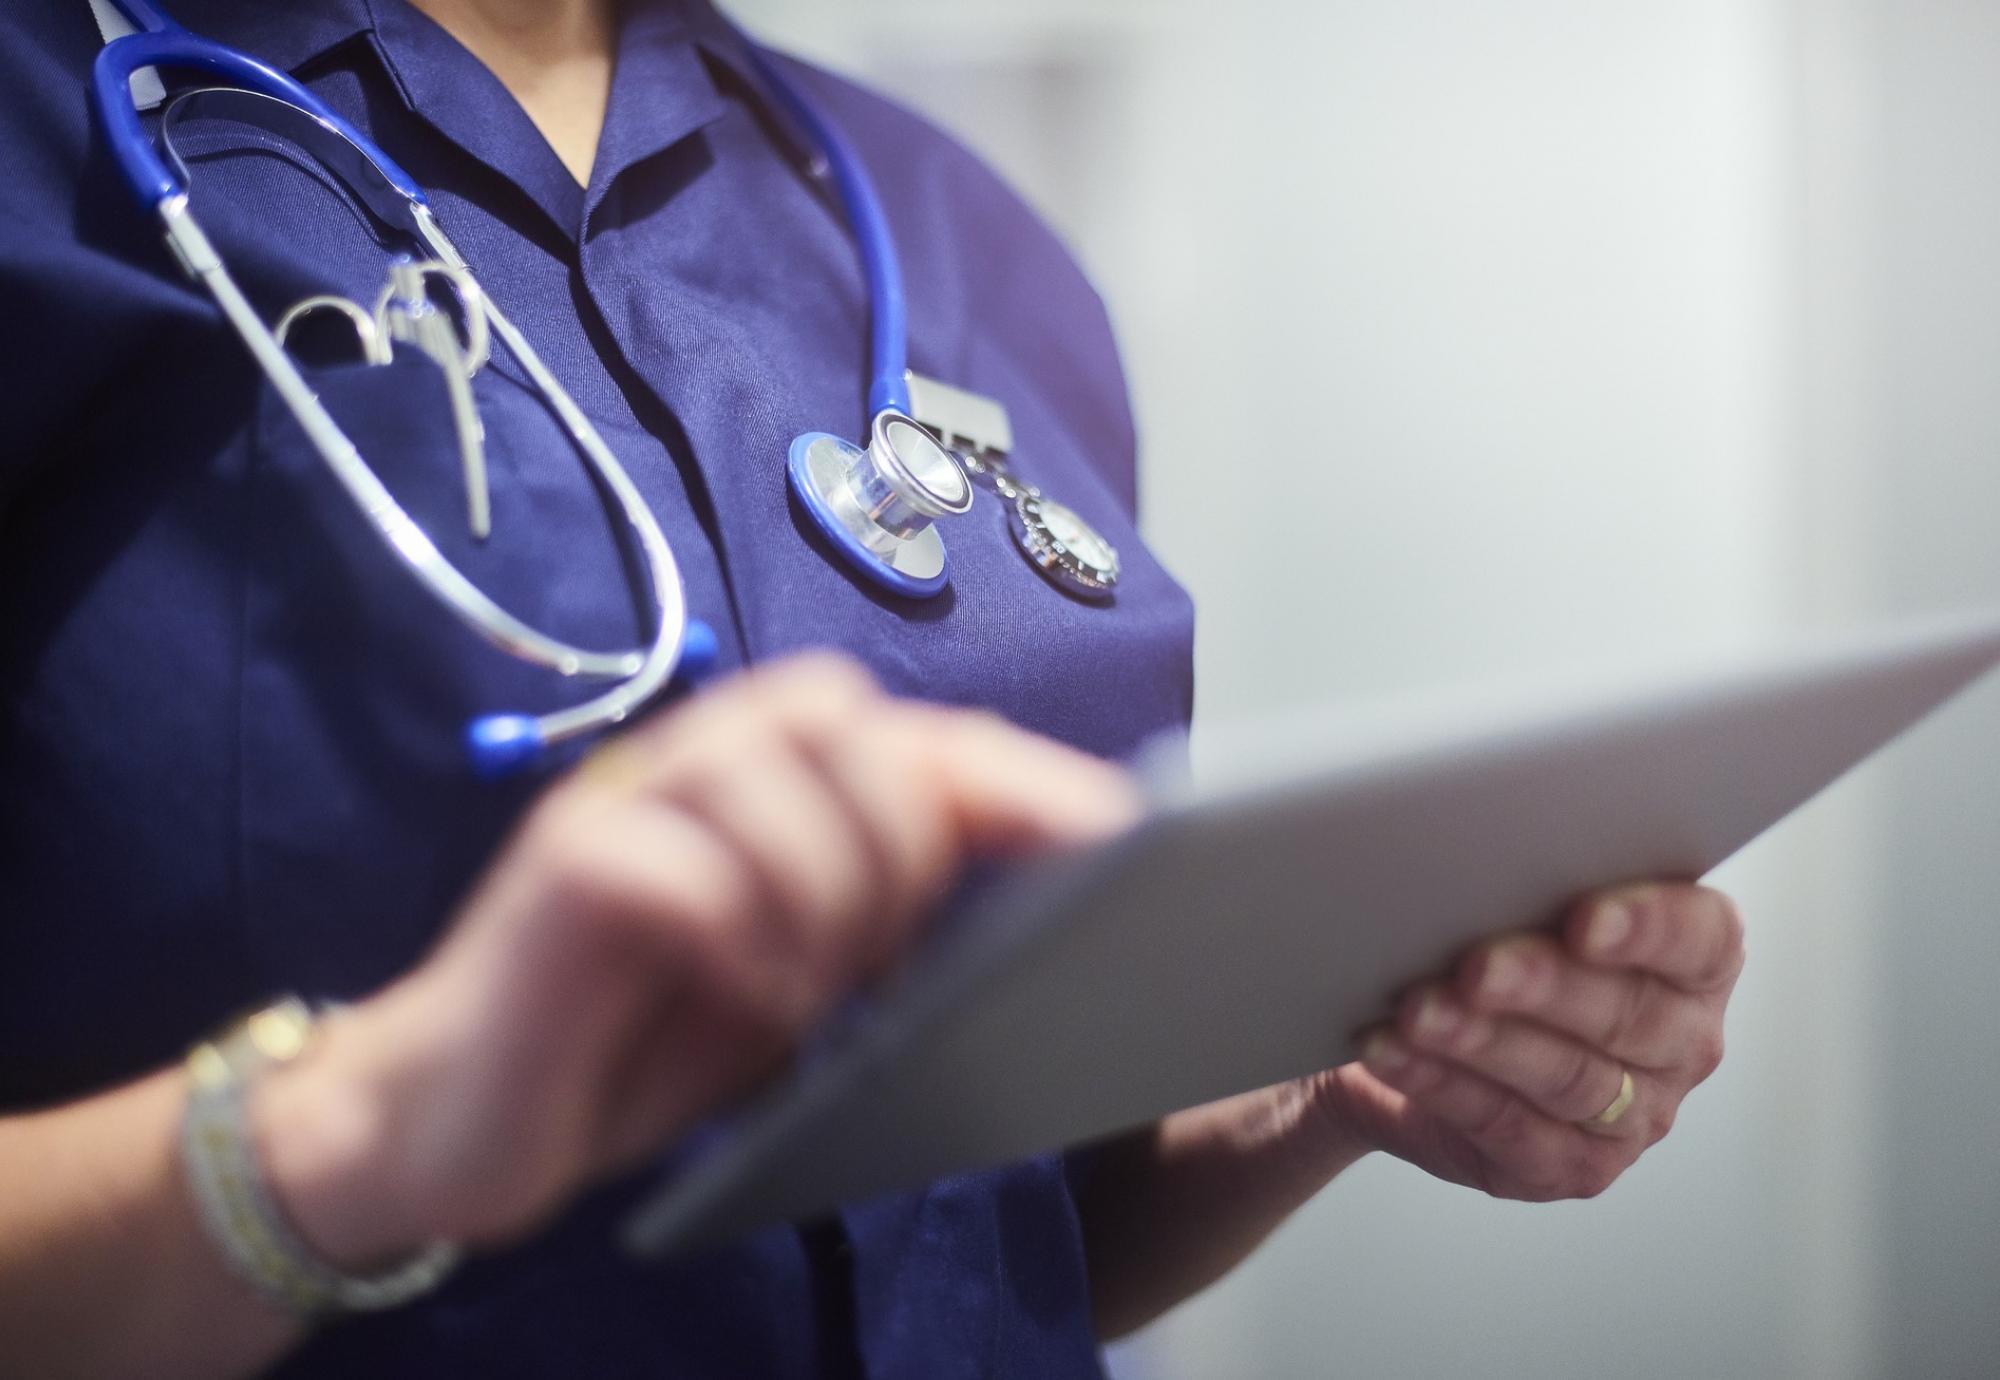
1381 1115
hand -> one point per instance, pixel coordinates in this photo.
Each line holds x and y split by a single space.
666 923
1491 1076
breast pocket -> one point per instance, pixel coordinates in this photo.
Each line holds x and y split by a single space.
326 581
359 811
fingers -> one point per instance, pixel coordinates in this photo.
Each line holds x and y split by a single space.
1011 792
1497 1074
852 810
906 842
1690 936
1513 1148
802 844
1002 789
674 914
1635 1017
1564 1079
801 700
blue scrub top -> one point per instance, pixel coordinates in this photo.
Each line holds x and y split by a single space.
230 758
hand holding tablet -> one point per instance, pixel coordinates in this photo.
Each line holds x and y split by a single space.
1242 935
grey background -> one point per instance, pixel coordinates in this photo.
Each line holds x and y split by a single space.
1572 332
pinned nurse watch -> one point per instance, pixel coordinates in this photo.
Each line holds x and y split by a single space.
1053 536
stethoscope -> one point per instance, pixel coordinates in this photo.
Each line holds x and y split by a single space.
876 506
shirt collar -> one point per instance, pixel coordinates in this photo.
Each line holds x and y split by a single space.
661 93
287 34
729 47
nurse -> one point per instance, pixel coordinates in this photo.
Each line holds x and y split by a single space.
230 761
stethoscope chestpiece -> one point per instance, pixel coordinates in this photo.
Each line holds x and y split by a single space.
910 478
879 506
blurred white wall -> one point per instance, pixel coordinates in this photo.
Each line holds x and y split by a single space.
1468 339
1924 352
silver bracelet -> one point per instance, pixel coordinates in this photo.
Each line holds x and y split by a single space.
237 1208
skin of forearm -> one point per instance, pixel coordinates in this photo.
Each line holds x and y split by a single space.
104 1266
1170 1209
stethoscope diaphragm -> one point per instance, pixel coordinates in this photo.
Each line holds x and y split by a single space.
878 507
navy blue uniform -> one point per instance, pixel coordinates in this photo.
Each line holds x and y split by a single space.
230 759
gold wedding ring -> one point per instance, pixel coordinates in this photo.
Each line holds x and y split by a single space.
1619 1104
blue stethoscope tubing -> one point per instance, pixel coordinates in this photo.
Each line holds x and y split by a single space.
164 42
882 268
888 333
497 743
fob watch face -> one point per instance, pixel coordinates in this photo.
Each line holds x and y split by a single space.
1064 547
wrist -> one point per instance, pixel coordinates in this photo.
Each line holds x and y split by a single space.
1296 1134
322 1129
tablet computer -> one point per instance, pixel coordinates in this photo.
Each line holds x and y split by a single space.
1250 926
